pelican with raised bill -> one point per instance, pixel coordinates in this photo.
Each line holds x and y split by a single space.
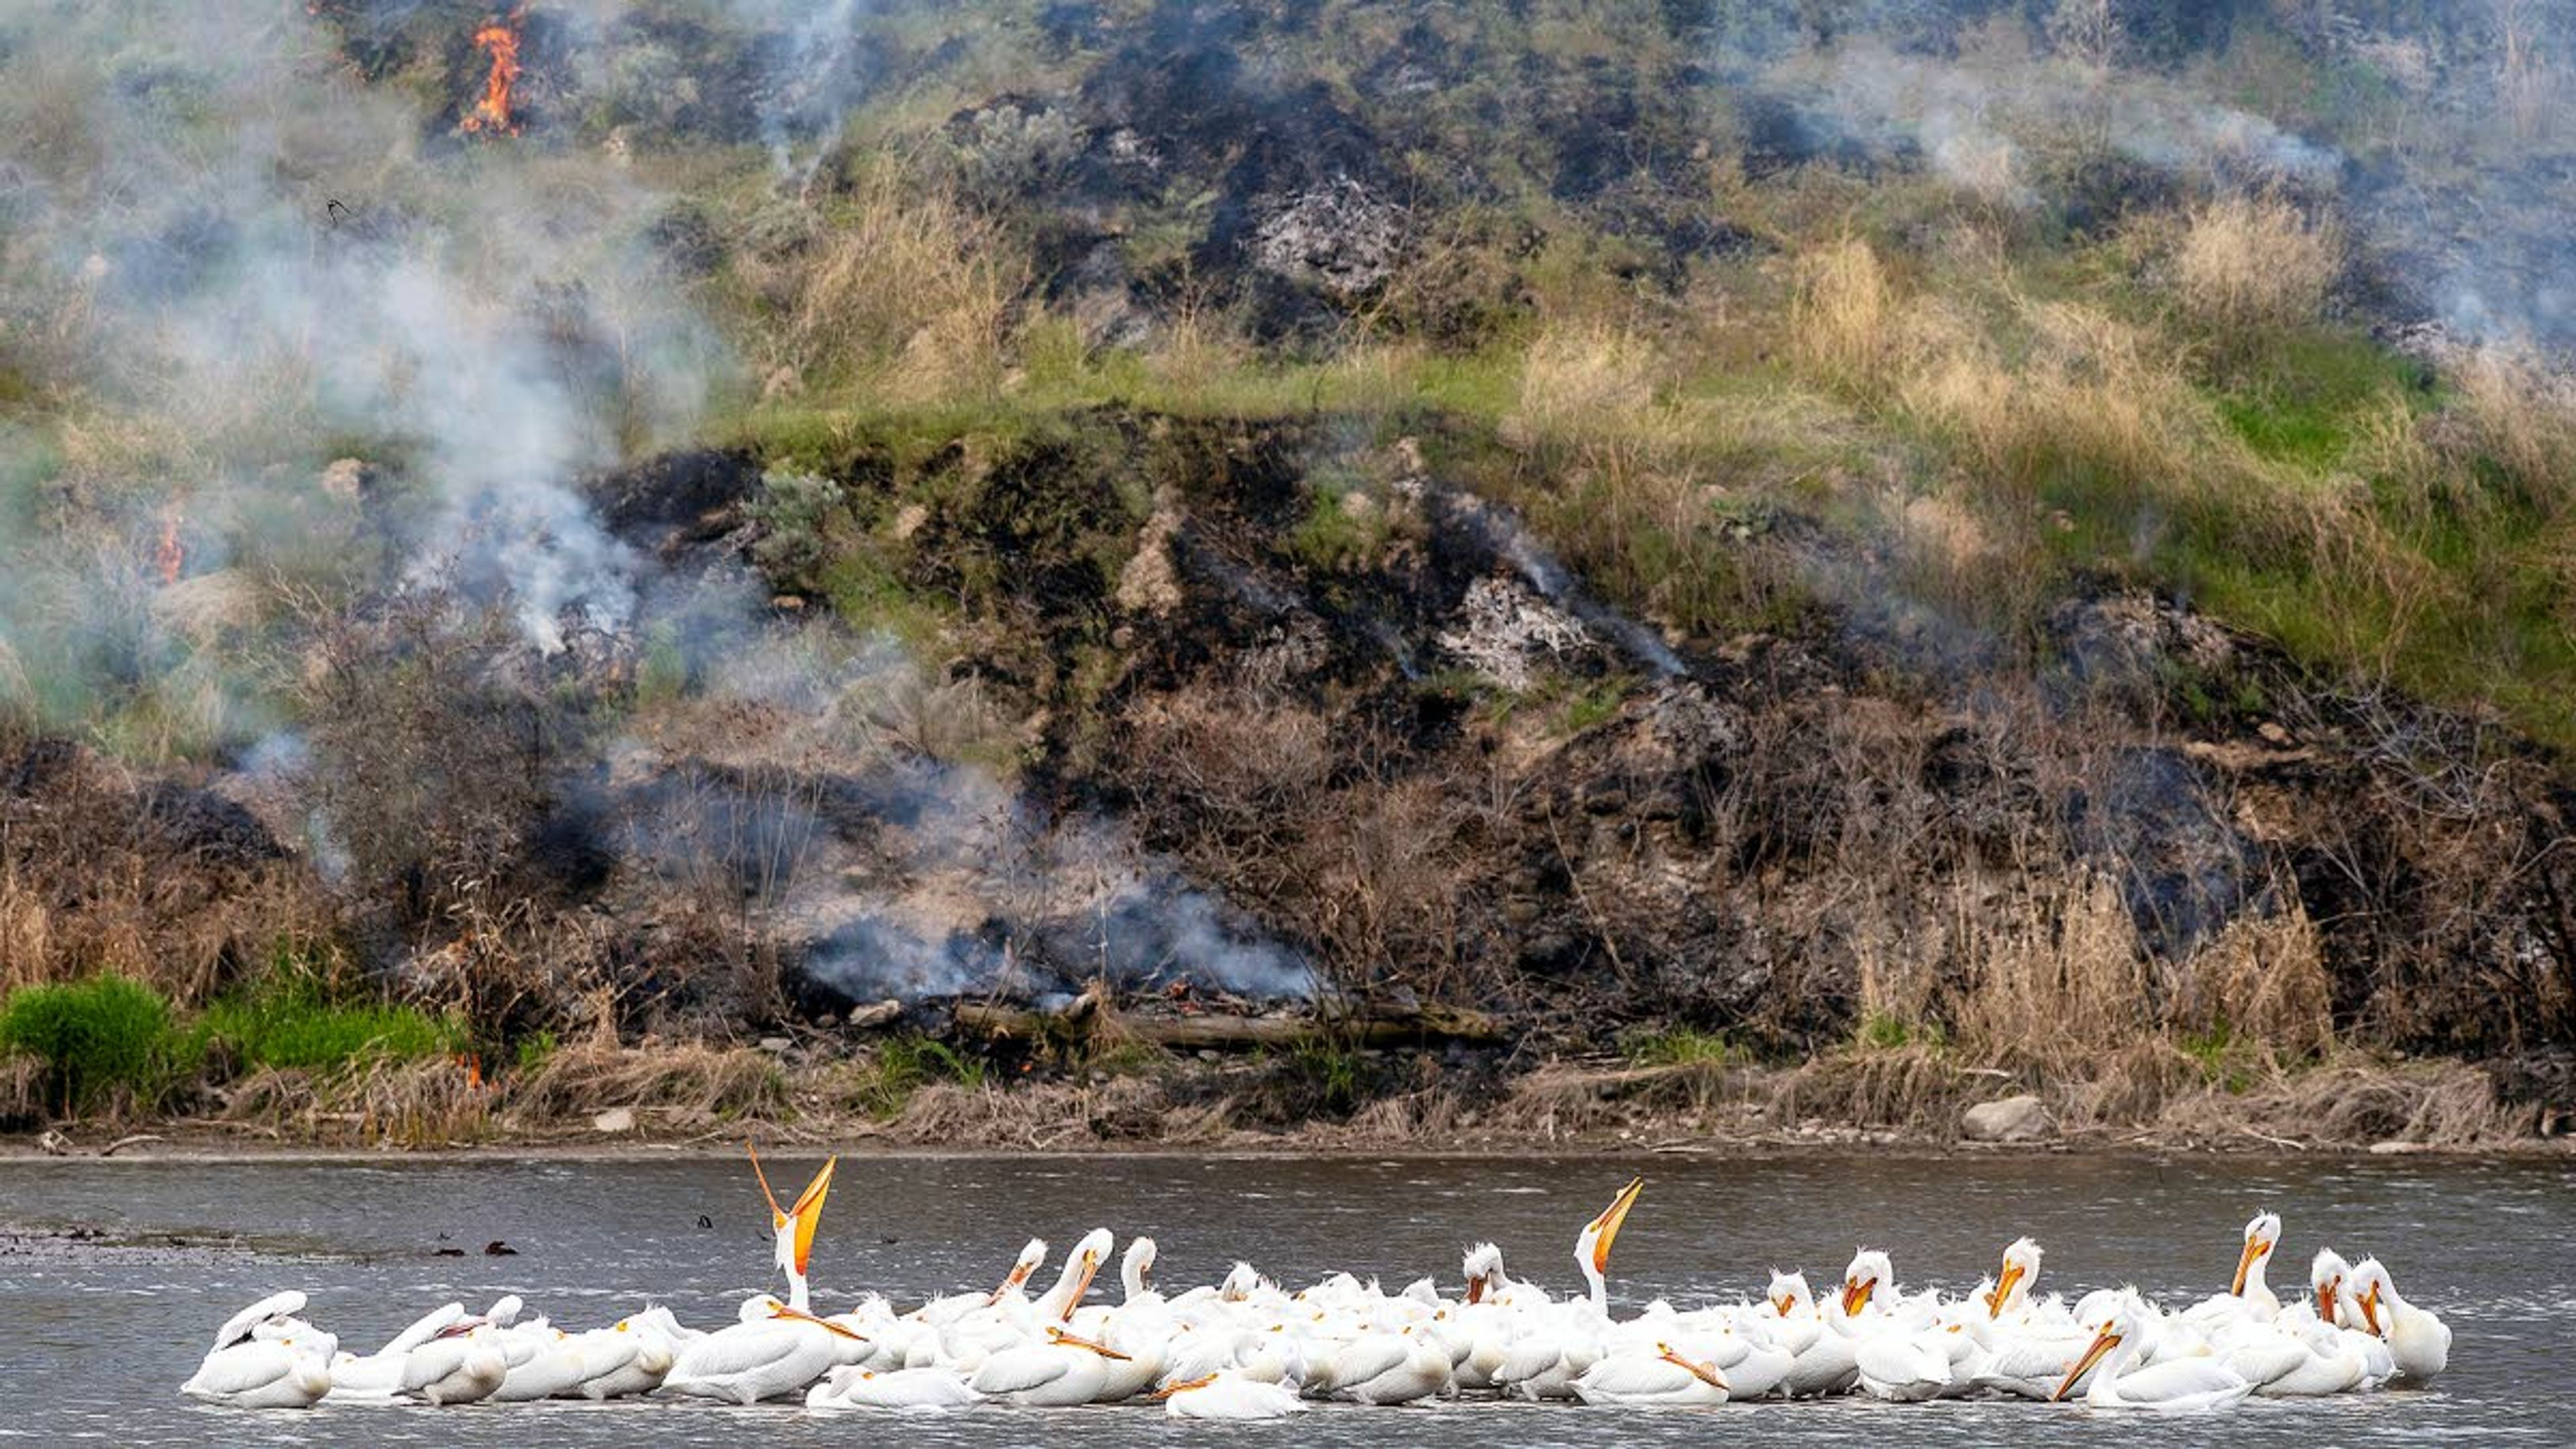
795 1226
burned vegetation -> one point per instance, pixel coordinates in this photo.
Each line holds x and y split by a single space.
1160 571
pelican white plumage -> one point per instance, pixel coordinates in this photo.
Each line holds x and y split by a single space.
658 1337
1893 1354
376 1378
2010 1298
463 1364
1554 1344
2178 1385
941 1312
1665 1377
265 1357
911 1391
773 1351
2247 1295
1059 1370
2418 1341
1822 1361
1402 1367
1234 1395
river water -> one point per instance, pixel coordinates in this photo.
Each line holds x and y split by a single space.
99 1335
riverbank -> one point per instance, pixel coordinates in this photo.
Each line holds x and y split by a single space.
1901 1100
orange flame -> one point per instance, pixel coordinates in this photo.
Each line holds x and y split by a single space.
492 113
169 554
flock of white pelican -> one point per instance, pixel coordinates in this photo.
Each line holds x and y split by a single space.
1244 1349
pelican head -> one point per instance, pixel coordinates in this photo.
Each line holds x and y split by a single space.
1592 1245
2372 1292
1484 1270
2117 1327
1021 1268
1869 1271
1241 1282
1136 1267
1789 1294
2012 1283
2262 1235
2326 1277
1080 1267
795 1225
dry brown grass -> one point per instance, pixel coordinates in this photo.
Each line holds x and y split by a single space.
1845 321
688 1081
2255 262
910 291
429 1102
1585 381
22 1089
2053 980
2521 413
2095 398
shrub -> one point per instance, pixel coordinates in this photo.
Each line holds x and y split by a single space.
95 1037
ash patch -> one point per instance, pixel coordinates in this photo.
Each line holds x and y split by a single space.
1338 237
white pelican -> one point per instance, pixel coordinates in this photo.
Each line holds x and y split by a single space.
1897 1356
461 1364
658 1337
377 1377
795 1226
2330 1280
940 1312
772 1352
1822 1359
1666 1378
1554 1344
1402 1367
2176 1385
563 1365
1058 1372
911 1390
1231 1394
265 1357
2247 1295
1080 1267
2418 1341
2011 1294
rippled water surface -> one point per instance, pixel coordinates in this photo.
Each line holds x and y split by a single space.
99 1338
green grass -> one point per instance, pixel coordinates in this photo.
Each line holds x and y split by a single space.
97 1038
295 1026
902 1066
1887 1032
1683 1047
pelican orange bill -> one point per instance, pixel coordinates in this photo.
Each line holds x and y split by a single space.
1856 1294
807 1214
2003 1290
2103 1344
2255 1248
1606 1226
